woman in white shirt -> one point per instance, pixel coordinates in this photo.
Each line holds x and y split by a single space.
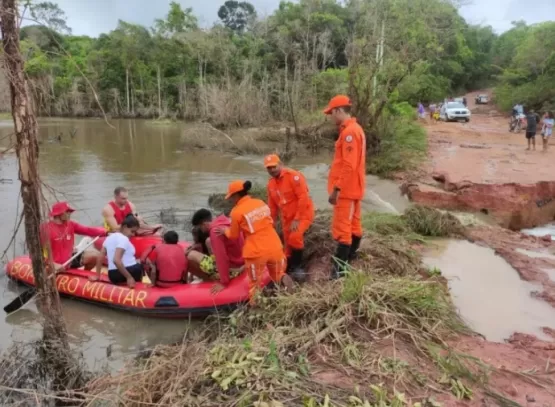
547 129
122 264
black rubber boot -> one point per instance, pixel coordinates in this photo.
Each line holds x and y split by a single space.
339 261
294 266
353 253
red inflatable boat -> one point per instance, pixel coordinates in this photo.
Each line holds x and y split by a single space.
182 301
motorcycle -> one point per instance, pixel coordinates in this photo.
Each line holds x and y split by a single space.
517 123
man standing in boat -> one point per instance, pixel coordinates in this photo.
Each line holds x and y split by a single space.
288 196
117 210
346 183
58 238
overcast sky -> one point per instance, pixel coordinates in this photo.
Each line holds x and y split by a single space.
92 17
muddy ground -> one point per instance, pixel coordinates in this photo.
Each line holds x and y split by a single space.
482 167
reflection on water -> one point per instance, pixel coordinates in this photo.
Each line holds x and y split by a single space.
148 160
488 292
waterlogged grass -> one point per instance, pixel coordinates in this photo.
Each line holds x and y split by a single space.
414 225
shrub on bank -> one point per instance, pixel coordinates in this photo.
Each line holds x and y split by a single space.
403 147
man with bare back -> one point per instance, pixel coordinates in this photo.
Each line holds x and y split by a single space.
117 210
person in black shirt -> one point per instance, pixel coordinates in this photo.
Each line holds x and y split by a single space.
532 120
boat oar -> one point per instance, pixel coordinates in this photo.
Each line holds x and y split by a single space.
28 295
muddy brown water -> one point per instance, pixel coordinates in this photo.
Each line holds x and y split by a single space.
488 292
150 161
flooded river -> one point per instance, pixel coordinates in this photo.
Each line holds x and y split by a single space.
87 164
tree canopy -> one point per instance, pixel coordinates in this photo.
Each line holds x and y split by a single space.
247 70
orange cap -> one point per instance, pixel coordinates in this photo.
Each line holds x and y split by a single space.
271 160
59 208
337 101
234 187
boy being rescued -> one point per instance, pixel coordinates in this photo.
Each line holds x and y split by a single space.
213 256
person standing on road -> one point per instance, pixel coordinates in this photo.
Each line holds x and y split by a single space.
288 196
547 129
532 120
421 111
346 183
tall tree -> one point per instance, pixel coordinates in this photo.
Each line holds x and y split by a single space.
236 15
49 14
177 21
55 337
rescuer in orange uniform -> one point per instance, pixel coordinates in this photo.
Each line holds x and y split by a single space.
263 248
346 182
288 195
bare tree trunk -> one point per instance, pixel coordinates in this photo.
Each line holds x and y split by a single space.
127 89
159 92
55 337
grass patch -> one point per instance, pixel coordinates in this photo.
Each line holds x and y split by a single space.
431 222
6 116
316 347
403 148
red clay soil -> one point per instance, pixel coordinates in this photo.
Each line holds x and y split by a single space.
481 166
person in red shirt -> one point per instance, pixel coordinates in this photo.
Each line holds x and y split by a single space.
58 238
117 210
223 256
168 263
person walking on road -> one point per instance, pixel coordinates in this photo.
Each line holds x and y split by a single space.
547 129
532 120
288 196
346 183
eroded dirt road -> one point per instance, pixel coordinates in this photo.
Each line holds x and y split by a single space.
482 167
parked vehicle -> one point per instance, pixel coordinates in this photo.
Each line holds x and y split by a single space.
481 99
454 111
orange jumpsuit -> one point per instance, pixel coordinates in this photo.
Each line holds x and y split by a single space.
263 248
348 173
288 194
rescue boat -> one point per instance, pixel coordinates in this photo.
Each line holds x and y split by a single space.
180 301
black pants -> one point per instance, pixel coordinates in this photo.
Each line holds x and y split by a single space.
136 272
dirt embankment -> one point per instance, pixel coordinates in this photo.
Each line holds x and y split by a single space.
481 166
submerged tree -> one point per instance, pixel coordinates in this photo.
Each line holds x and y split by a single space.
55 337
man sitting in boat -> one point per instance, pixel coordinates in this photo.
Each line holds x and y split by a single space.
168 263
122 264
58 238
222 256
115 212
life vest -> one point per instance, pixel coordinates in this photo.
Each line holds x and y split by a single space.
171 264
119 214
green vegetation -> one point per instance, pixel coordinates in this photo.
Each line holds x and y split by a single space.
247 70
526 58
403 144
